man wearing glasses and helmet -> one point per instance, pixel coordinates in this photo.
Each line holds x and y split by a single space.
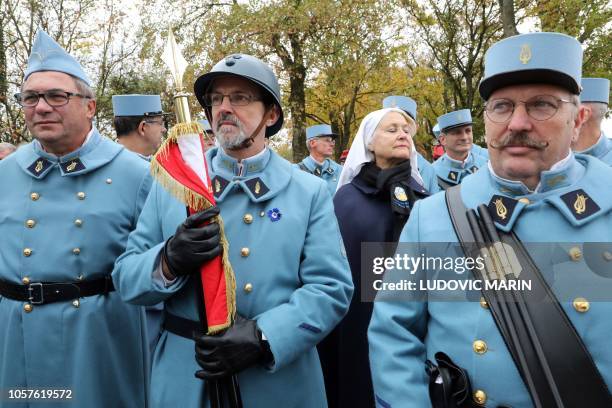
293 284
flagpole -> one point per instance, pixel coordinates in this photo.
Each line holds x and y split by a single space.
225 390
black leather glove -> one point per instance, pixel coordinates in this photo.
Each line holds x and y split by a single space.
230 352
193 243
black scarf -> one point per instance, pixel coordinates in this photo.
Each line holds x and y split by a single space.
394 183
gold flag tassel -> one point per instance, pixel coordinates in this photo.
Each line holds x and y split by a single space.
198 203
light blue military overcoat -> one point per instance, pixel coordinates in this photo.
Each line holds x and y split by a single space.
602 150
63 222
292 277
428 173
453 171
329 171
402 335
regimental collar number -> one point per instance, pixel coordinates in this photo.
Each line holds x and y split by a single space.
257 187
39 166
580 204
218 185
501 209
72 166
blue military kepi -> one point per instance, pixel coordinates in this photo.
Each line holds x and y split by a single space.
534 58
319 130
405 103
436 130
595 90
205 125
47 55
454 119
137 105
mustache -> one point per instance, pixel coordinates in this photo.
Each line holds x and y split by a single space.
518 139
228 117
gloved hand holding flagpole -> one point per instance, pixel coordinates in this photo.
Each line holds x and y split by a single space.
180 167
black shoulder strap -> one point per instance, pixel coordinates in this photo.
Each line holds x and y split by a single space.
550 355
444 185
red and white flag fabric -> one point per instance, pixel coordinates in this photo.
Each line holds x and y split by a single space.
180 167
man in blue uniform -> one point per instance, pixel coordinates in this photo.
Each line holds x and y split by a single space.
139 123
409 106
320 141
69 200
140 127
293 283
536 188
592 141
458 161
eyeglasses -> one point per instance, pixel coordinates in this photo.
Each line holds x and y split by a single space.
327 139
236 99
540 108
53 98
157 122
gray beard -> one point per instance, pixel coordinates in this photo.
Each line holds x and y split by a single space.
234 143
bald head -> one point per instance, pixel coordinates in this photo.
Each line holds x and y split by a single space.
6 149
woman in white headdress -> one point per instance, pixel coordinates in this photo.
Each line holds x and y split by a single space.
378 186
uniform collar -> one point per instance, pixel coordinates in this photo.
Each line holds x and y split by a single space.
563 173
599 149
458 164
453 171
229 167
311 164
580 195
95 152
260 177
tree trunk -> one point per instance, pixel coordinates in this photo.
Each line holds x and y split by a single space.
297 104
507 17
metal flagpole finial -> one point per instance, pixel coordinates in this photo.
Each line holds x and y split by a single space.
173 58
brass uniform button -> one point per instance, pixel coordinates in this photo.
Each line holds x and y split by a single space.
248 218
607 255
28 308
81 195
480 397
25 280
524 200
245 252
483 303
27 252
109 181
80 277
78 222
575 254
76 303
581 305
248 288
76 251
30 223
480 347
34 196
